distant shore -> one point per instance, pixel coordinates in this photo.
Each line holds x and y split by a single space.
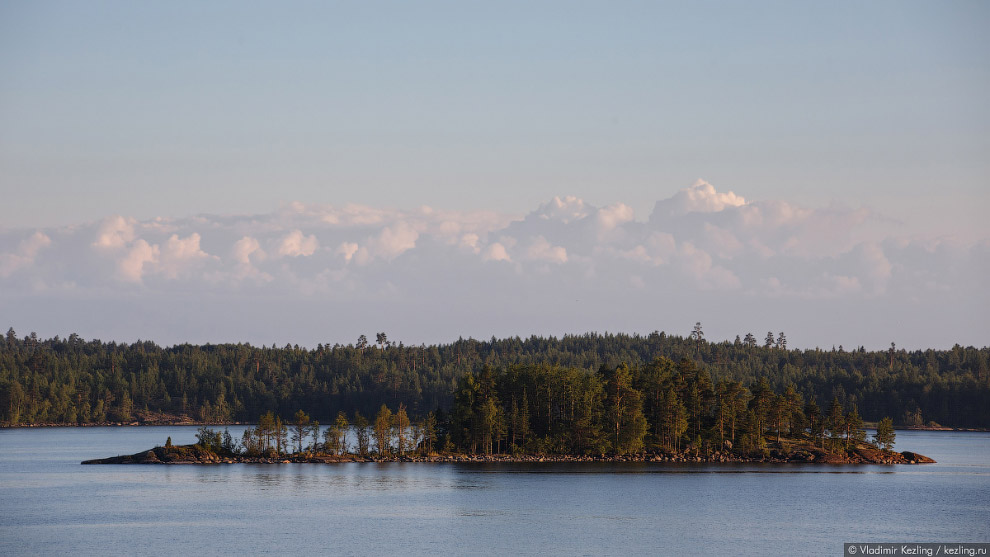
225 424
127 424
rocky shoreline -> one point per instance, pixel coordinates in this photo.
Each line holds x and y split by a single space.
195 454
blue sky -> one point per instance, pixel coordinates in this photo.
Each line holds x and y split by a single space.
145 111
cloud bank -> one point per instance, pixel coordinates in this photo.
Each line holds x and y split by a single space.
309 273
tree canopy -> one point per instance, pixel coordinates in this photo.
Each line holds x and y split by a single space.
73 380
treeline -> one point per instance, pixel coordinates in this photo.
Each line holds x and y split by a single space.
390 434
530 409
73 380
536 409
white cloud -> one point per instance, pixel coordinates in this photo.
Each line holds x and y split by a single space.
131 267
115 232
698 264
699 198
245 248
566 209
496 252
470 241
244 251
24 255
721 241
697 245
295 244
180 254
394 240
877 269
347 249
541 250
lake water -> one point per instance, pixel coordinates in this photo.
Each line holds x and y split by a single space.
50 504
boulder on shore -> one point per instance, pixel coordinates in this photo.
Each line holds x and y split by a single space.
184 454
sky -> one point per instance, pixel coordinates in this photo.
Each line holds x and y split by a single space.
308 172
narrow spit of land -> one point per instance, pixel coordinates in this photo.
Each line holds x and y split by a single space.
787 453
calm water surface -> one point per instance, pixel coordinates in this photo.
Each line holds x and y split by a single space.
50 504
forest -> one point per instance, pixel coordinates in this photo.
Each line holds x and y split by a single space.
662 408
76 381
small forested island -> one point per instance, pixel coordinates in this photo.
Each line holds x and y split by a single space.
578 396
601 417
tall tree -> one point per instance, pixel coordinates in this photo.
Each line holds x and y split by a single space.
300 429
884 436
816 425
361 428
341 425
854 427
835 421
675 419
281 437
383 430
624 409
401 429
429 432
698 336
314 431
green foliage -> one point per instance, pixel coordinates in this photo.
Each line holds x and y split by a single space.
383 431
884 436
77 381
209 439
300 429
854 428
361 430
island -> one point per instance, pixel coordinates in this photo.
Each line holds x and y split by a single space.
663 413
786 451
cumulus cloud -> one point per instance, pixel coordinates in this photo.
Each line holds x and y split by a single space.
180 254
295 244
347 249
245 248
699 242
394 240
24 255
566 209
115 232
714 239
613 216
699 198
541 250
131 267
496 252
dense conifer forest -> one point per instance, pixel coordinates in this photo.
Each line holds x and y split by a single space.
75 381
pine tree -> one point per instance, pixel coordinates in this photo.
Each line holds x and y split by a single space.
884 436
300 429
361 427
401 429
854 427
834 420
383 430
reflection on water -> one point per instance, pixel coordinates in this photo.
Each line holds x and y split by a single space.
51 504
619 468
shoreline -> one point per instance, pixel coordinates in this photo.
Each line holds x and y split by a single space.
196 454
